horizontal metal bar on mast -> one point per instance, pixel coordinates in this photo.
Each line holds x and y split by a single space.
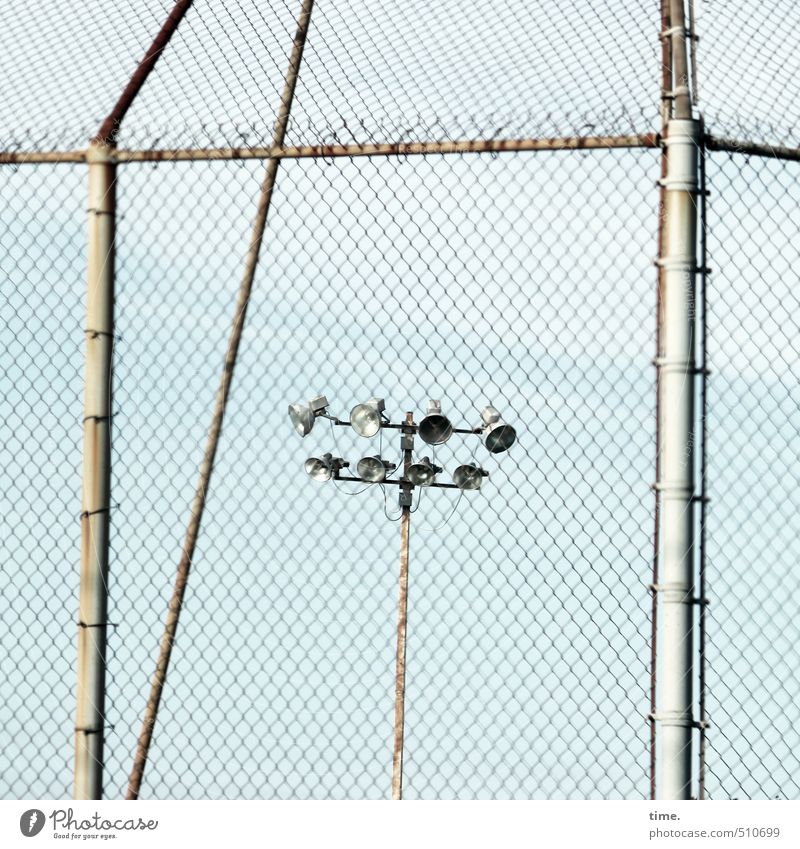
396 482
430 148
413 428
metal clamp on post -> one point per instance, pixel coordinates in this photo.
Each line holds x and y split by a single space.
670 31
682 142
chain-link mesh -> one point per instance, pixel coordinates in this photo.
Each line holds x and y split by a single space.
63 66
753 469
749 70
42 291
528 641
393 76
522 280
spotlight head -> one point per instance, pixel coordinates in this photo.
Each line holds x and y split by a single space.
374 469
423 472
365 419
324 468
302 418
435 428
498 436
303 415
469 476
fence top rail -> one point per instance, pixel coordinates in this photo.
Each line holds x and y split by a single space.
344 150
398 149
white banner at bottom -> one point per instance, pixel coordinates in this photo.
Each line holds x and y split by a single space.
401 825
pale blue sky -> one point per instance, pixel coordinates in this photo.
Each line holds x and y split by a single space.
521 280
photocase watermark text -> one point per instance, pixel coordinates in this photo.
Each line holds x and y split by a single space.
67 826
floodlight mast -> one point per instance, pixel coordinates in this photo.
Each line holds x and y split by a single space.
433 430
402 613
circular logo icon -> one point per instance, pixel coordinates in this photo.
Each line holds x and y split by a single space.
31 822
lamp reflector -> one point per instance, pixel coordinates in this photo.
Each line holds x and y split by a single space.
469 476
303 415
365 419
498 436
302 418
323 468
435 428
374 469
423 472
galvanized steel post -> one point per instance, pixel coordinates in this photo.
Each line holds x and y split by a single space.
676 484
675 467
93 604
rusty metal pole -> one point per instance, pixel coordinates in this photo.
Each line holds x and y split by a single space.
93 602
666 112
207 465
107 134
402 618
679 60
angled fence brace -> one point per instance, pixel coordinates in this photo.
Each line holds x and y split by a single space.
218 415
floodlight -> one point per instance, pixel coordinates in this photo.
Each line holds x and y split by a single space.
469 476
323 468
435 428
498 436
374 469
423 472
365 419
303 415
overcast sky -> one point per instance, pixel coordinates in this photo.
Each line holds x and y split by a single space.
525 281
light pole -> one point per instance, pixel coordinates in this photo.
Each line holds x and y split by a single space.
434 429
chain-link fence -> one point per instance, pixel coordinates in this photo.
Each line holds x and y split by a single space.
753 469
42 263
521 279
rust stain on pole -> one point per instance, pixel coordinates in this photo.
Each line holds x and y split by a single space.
679 60
402 623
666 110
110 127
198 504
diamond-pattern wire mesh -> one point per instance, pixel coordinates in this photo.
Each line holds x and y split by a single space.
749 70
64 65
393 74
459 278
754 478
400 76
42 292
522 280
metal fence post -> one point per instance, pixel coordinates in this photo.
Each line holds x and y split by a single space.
676 388
93 604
